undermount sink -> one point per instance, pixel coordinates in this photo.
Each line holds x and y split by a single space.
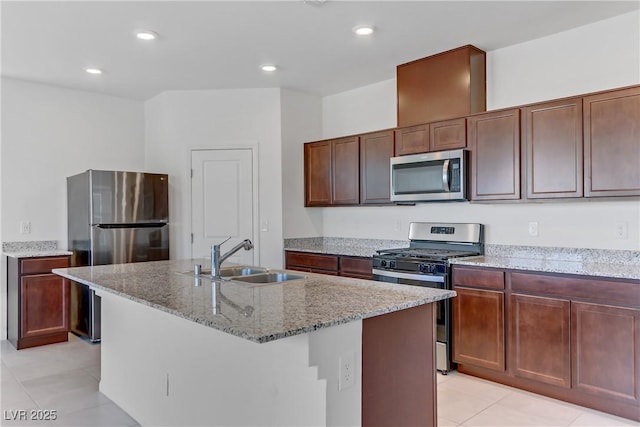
226 272
240 271
268 278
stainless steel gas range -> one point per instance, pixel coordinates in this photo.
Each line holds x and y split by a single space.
426 263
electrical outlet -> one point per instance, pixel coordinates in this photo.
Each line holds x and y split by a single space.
346 371
533 229
621 230
25 227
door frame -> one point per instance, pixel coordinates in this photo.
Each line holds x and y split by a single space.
255 238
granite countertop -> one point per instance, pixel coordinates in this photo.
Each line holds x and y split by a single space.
33 249
621 271
342 245
621 264
624 264
259 313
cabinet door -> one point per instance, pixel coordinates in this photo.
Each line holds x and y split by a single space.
494 141
345 163
412 140
376 150
478 328
606 351
317 173
612 143
448 135
44 305
552 135
540 323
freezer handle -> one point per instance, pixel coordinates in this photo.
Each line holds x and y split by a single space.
135 225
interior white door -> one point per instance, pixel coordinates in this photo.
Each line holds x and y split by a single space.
222 202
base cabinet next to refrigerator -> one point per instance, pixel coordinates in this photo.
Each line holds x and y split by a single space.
37 301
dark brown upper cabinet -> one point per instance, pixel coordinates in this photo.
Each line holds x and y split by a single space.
317 174
612 143
437 136
376 149
448 135
494 141
552 139
412 140
332 172
345 161
442 86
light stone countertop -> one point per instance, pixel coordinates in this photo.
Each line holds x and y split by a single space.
621 271
259 313
33 249
342 245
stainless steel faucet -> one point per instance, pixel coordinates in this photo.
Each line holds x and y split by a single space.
217 260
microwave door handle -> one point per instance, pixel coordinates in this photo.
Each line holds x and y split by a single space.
445 175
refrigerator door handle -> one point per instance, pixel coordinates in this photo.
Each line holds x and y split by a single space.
136 225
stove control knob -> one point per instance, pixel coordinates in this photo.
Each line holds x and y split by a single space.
426 268
392 264
383 263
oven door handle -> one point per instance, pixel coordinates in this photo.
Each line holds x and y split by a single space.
419 277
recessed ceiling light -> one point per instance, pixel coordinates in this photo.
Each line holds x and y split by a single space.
146 35
363 30
93 70
268 67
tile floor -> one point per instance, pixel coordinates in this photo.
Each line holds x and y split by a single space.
65 377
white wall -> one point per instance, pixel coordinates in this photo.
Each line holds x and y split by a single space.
49 133
590 58
603 55
178 121
301 122
356 110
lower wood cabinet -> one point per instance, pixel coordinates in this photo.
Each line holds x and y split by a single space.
478 318
606 351
573 338
540 340
336 265
478 329
37 301
311 262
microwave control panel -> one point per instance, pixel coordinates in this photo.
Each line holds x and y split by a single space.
454 187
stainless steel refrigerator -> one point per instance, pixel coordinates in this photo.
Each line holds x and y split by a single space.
114 217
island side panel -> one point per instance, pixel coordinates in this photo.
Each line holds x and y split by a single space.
398 368
166 370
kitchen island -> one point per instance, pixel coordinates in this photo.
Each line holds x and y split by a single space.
183 350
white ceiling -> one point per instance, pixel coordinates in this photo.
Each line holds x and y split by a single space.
220 45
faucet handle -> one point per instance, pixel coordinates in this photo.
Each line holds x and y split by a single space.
223 242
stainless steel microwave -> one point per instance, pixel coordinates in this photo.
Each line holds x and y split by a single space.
438 176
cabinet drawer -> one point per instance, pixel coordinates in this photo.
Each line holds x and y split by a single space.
314 261
478 278
606 291
355 265
42 265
